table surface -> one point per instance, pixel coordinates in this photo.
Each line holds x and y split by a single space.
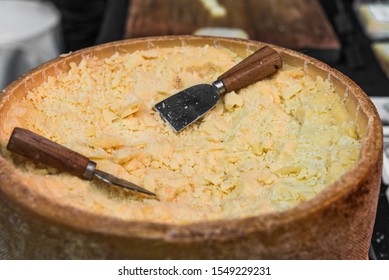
295 24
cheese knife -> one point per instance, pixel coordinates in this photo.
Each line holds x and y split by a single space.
40 149
185 107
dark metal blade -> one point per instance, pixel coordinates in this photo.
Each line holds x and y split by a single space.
187 106
113 180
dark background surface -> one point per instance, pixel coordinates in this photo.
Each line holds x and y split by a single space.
357 60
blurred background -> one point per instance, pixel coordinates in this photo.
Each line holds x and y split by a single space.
349 35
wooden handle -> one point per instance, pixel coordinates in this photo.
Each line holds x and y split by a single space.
255 67
43 150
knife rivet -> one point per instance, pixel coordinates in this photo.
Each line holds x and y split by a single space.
219 86
89 170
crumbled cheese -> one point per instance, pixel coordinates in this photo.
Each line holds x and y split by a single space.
268 147
232 100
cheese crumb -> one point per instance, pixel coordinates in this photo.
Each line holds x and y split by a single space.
232 100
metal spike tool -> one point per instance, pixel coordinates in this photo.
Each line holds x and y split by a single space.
43 150
187 106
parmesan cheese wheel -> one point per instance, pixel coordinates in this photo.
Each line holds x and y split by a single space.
266 164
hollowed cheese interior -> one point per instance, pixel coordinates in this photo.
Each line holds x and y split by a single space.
268 147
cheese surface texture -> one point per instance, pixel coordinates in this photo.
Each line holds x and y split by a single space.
266 148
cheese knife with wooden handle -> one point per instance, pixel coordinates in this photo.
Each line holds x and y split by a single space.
39 149
187 106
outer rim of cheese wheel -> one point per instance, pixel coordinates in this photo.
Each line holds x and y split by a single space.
20 197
